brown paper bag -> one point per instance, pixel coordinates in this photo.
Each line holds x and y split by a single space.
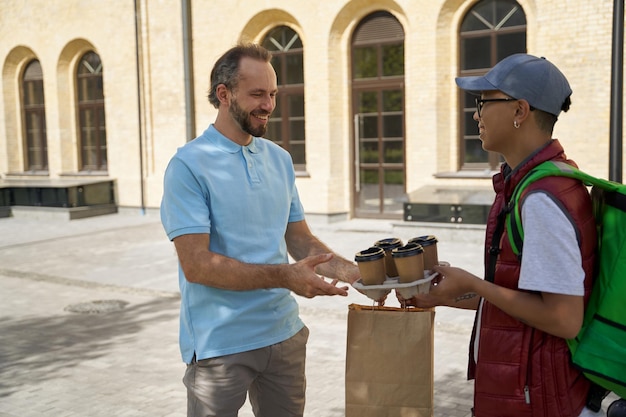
389 362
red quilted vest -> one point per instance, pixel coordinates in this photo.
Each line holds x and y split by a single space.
523 371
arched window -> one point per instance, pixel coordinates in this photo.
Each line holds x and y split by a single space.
377 63
93 143
34 113
490 31
286 126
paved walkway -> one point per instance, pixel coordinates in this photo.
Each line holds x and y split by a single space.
57 359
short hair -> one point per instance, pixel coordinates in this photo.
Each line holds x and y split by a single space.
546 121
226 69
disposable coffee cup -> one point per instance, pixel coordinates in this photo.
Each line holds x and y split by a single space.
409 260
371 263
388 245
429 243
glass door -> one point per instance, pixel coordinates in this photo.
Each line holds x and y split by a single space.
379 153
378 116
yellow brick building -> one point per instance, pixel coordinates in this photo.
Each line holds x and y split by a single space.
98 91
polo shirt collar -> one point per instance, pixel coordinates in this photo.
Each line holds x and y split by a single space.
227 145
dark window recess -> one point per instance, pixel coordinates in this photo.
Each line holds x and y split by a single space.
490 31
34 114
91 117
287 124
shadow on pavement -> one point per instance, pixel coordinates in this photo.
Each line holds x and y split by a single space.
41 348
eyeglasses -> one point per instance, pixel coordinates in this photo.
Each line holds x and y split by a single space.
480 102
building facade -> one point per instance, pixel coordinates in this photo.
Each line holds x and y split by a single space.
367 103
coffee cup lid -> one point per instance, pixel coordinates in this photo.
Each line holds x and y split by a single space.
410 249
426 240
369 254
389 243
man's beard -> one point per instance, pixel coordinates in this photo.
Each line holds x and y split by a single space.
243 118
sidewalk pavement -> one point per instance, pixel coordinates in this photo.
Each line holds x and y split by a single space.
89 318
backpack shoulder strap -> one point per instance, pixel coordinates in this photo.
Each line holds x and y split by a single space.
514 227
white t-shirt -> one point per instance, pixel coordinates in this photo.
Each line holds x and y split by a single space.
551 260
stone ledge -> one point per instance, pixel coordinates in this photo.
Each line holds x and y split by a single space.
61 213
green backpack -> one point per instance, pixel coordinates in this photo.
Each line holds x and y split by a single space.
599 350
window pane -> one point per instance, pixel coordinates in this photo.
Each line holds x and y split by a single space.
36 144
474 151
296 130
369 127
369 198
278 68
102 128
278 110
518 18
369 176
89 82
486 10
296 105
393 191
272 41
394 199
504 16
33 93
368 152
87 127
490 31
471 23
393 59
287 124
37 159
294 41
274 130
297 153
90 64
392 100
392 126
295 69
367 102
393 152
476 53
471 126
81 86
282 39
33 122
90 89
469 99
394 177
95 88
33 71
34 118
365 62
510 44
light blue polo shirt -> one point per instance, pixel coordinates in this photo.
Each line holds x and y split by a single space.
243 196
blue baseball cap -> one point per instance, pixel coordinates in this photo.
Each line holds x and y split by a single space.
524 76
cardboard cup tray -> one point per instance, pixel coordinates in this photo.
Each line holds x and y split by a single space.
406 290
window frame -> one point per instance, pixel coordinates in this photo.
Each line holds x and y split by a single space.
378 32
90 104
282 50
33 107
466 106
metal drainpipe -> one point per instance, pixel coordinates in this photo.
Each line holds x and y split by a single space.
617 99
139 111
188 70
